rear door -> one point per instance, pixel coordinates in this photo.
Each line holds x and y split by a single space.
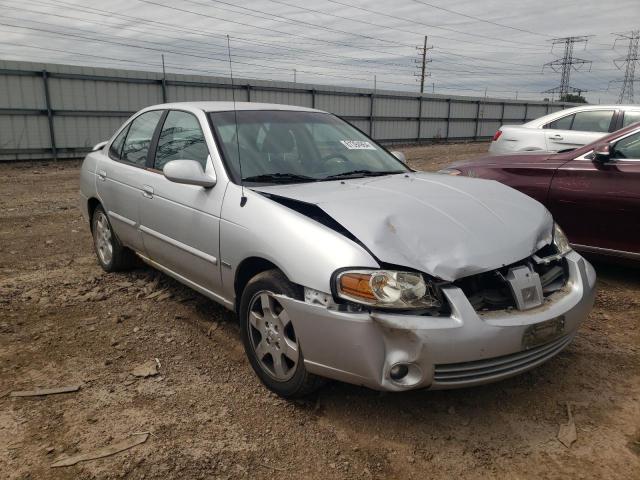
180 223
598 204
119 177
578 129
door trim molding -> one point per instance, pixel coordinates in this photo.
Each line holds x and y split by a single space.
182 246
116 216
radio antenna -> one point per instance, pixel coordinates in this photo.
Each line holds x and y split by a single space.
243 199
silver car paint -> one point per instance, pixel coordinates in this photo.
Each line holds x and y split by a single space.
215 234
447 226
307 252
361 348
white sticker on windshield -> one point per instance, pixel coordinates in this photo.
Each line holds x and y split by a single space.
357 145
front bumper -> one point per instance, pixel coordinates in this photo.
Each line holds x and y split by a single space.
465 349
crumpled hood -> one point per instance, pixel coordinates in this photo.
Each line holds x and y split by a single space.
447 226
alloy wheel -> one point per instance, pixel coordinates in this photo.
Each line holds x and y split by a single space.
272 337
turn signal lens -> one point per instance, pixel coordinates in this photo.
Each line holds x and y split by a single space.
356 285
386 288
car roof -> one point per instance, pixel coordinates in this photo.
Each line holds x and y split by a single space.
230 106
537 122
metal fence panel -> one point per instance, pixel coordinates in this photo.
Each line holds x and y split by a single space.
23 132
50 111
464 109
72 132
21 91
358 106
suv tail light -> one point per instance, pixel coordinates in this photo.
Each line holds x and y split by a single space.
496 135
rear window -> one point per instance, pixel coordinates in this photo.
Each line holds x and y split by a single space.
595 121
631 117
563 123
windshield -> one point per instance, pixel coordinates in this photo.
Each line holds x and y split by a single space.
287 146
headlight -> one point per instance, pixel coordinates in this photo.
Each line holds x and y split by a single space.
560 240
450 171
386 289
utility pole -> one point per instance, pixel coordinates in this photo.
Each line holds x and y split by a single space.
423 68
629 61
566 63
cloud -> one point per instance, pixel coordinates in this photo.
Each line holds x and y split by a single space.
501 48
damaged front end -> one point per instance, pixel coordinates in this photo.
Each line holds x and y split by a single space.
459 346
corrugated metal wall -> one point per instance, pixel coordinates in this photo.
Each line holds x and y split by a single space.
49 110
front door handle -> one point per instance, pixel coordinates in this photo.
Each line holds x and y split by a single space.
147 191
556 137
102 175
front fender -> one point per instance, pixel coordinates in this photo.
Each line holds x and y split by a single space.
306 251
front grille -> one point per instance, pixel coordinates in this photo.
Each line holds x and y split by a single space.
494 368
490 291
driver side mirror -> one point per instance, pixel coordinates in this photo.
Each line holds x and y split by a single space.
602 152
188 172
400 156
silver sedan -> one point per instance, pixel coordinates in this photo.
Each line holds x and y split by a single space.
339 260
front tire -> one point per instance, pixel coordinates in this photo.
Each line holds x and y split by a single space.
112 255
269 338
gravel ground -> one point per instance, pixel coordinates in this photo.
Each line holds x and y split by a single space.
63 321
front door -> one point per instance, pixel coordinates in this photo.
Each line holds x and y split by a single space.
598 204
180 224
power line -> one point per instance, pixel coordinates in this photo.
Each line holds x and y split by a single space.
479 19
208 48
378 12
565 64
164 25
201 14
630 60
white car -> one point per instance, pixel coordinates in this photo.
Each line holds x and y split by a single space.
564 130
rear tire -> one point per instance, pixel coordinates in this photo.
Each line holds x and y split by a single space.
269 338
112 255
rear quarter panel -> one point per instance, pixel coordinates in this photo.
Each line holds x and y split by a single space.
88 182
517 138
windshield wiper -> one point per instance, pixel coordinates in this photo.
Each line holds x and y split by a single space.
360 174
280 178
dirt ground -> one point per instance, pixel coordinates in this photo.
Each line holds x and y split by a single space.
63 321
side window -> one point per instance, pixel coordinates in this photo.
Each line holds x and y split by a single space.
628 147
563 123
595 121
136 146
181 138
631 117
115 149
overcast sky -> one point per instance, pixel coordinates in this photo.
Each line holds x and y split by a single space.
499 46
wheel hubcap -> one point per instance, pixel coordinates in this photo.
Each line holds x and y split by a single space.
103 239
272 337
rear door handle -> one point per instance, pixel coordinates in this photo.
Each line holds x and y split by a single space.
556 137
147 191
102 175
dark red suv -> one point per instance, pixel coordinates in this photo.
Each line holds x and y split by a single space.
593 192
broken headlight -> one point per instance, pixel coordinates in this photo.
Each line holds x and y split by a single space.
560 240
386 289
